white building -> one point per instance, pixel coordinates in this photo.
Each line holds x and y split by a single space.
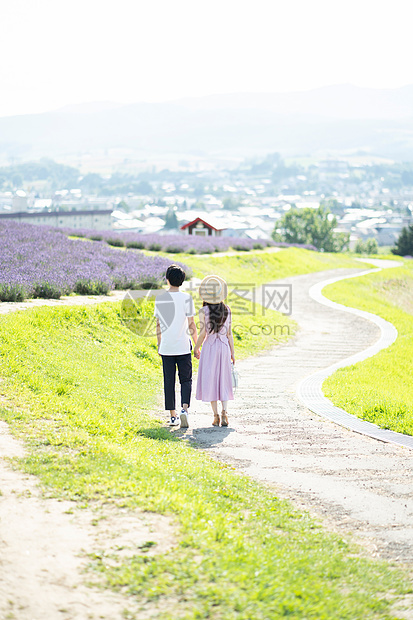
97 220
19 202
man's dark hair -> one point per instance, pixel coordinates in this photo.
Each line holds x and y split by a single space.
175 275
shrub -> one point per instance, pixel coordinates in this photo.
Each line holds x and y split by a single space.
369 247
241 248
372 246
150 285
92 287
118 243
96 237
359 247
12 292
173 249
404 244
46 290
155 247
136 245
258 246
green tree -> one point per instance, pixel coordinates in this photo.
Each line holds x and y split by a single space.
312 226
359 248
372 246
368 247
17 180
123 206
404 244
171 221
199 205
199 190
230 204
91 182
144 187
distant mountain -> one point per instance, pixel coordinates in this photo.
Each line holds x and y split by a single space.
333 119
89 108
343 101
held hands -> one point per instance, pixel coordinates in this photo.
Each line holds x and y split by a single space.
197 353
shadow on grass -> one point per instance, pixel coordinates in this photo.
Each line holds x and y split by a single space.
203 437
159 434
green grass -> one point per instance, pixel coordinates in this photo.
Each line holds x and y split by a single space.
264 266
79 386
380 389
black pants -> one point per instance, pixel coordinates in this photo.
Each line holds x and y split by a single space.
169 364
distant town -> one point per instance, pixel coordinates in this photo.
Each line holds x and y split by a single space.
370 200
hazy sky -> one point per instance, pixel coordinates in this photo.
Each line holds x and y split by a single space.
56 52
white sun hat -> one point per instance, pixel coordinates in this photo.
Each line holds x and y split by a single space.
213 289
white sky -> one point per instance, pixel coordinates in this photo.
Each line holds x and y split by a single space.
57 52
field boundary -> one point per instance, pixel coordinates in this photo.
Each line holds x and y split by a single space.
309 390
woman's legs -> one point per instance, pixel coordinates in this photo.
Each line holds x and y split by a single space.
214 405
224 412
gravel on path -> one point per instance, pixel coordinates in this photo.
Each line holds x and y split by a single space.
355 483
69 300
44 547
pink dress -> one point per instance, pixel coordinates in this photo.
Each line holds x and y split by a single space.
214 380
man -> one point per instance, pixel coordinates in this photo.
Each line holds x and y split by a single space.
175 326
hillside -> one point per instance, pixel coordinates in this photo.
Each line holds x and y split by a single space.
333 120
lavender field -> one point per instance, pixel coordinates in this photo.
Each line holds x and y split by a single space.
189 244
173 244
37 261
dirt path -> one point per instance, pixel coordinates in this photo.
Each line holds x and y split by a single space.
355 483
70 300
44 545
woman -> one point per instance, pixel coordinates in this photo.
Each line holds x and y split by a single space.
214 381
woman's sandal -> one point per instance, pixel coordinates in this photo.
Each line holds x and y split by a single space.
216 420
224 418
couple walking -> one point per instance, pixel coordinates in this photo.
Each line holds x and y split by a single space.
214 346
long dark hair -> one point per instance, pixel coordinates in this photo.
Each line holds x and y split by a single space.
217 316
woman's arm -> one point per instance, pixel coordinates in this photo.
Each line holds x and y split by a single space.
231 345
231 339
202 334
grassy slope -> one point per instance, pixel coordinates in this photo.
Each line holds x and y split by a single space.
80 384
379 389
260 267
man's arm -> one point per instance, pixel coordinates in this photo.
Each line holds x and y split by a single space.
192 328
158 333
202 334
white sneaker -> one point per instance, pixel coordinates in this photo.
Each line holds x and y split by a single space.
184 419
174 421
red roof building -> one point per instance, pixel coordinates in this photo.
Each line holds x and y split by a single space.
201 228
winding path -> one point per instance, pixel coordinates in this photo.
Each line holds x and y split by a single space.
355 483
310 391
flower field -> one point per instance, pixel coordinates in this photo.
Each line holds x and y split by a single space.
173 244
189 244
39 261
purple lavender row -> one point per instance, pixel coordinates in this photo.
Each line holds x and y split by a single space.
40 261
188 244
